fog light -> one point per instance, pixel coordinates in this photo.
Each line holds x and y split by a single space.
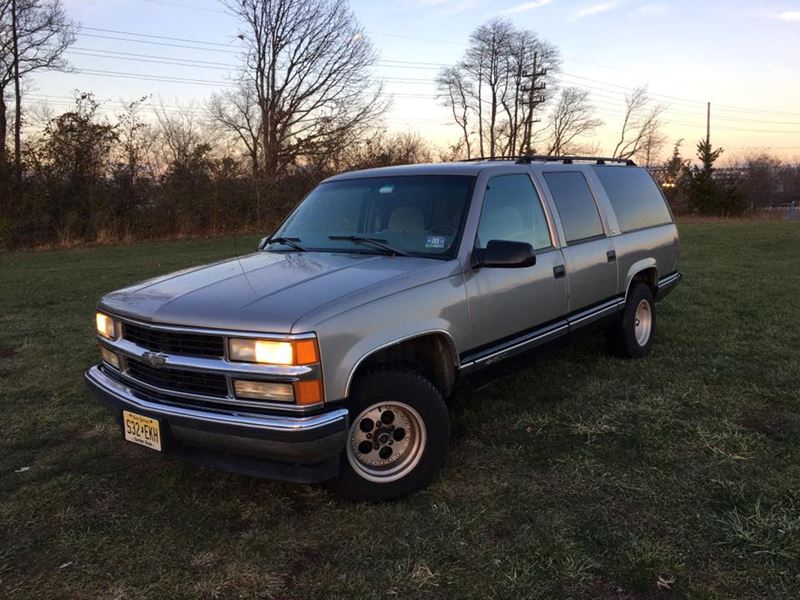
262 390
109 357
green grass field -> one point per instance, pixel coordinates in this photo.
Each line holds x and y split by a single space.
581 476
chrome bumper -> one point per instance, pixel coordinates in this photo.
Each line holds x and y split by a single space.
303 449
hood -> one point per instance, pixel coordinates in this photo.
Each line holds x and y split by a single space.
266 291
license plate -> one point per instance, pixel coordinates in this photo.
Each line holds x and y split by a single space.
141 430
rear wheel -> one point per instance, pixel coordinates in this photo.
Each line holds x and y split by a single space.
632 337
398 437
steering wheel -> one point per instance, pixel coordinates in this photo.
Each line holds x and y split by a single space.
444 230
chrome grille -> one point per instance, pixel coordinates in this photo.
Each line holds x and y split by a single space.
193 382
171 342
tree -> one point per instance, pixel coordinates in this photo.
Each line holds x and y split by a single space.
496 89
640 124
308 62
570 119
237 112
707 194
456 90
35 34
763 180
73 159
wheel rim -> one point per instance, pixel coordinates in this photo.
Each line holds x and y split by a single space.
386 441
643 322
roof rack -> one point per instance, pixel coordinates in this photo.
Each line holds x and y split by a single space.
526 159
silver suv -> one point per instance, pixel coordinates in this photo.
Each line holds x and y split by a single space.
328 354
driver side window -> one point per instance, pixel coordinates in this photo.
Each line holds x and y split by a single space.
512 212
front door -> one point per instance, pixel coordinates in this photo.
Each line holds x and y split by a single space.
504 302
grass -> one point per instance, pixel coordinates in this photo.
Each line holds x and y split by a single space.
580 476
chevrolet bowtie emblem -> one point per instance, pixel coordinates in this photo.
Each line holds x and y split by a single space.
155 359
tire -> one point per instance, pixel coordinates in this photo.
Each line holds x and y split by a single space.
403 417
633 336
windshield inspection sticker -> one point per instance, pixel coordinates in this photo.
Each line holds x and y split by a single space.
434 241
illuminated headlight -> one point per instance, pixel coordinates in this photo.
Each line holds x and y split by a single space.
272 352
262 390
105 326
109 357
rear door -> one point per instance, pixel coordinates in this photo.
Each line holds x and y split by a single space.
505 303
589 254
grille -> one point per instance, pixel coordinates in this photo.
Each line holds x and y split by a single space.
189 344
208 384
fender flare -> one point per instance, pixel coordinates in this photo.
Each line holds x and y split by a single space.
450 342
636 268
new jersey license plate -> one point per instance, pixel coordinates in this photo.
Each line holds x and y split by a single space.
141 430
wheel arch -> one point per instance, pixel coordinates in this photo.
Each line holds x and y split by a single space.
644 270
432 352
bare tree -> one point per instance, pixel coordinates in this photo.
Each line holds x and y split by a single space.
641 121
308 61
651 147
495 91
35 34
570 119
237 112
180 132
456 91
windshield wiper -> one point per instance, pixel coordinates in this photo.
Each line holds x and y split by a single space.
374 242
286 241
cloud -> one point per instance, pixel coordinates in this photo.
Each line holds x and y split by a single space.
524 7
787 15
595 9
652 10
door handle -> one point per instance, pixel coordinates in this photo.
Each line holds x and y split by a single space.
559 271
611 255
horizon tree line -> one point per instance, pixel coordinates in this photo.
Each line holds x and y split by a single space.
304 104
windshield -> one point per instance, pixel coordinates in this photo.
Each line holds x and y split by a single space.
414 215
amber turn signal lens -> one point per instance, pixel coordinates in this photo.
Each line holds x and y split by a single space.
305 352
308 392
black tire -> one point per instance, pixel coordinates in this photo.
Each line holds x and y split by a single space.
622 337
376 391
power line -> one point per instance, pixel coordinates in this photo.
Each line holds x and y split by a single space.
186 6
150 35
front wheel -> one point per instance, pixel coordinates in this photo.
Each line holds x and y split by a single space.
398 437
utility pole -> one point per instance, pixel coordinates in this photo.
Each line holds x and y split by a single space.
532 102
708 125
17 97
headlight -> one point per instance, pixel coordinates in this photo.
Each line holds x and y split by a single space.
272 352
105 326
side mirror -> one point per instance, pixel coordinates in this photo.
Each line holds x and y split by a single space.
505 255
261 242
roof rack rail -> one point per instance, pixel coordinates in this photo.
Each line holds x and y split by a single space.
526 159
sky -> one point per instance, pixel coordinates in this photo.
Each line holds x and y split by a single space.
743 56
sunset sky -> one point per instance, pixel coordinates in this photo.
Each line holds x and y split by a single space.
743 56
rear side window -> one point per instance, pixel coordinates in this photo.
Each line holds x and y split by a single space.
576 205
634 196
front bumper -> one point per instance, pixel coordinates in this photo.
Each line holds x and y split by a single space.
300 449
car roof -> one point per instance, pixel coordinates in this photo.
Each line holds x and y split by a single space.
473 167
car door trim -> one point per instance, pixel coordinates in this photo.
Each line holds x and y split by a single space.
542 334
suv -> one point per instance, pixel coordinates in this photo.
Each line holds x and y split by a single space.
328 354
